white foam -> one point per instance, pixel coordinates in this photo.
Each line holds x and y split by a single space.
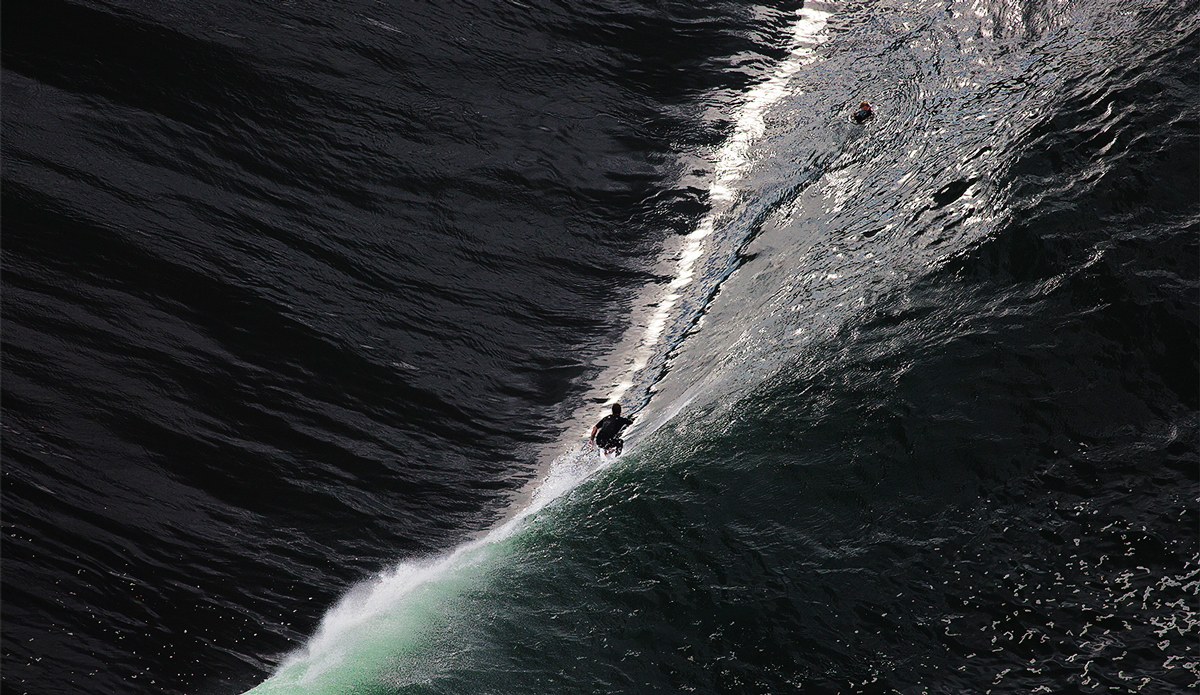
359 612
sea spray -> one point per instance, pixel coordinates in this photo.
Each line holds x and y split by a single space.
377 624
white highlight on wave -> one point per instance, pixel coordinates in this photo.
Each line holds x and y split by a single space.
731 161
361 611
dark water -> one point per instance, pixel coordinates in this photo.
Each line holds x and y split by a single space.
307 308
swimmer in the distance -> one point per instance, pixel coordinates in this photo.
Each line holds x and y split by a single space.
863 113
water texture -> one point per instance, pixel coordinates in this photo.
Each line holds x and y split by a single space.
308 309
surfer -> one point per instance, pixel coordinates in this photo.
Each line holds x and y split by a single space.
863 113
606 433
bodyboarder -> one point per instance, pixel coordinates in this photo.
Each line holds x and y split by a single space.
606 433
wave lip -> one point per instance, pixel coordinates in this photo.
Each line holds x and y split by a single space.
730 164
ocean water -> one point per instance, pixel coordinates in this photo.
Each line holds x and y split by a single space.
308 310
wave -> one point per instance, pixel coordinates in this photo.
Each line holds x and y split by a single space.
378 621
822 285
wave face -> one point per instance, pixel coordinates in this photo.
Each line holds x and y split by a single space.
308 311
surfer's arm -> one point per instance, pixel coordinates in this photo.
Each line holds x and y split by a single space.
592 438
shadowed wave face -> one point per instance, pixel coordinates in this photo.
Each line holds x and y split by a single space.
308 311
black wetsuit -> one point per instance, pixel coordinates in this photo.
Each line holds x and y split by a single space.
607 430
862 115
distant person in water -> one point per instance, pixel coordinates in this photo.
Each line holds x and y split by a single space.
606 433
863 113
